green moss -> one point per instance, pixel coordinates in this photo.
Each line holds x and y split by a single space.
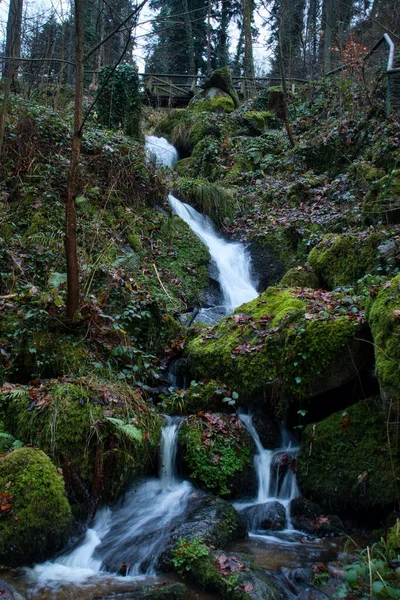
345 461
343 259
222 79
271 340
383 318
208 198
382 203
257 121
216 452
39 520
302 276
173 118
186 167
216 104
70 424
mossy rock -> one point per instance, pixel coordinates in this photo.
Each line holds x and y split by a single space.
173 118
216 451
208 567
222 79
343 259
101 437
256 122
278 345
345 461
383 313
186 167
212 100
301 276
214 200
39 519
200 396
382 203
365 174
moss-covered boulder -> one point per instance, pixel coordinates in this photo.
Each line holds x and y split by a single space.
212 100
301 276
343 259
382 202
216 452
222 79
214 200
207 395
286 344
383 315
256 122
345 461
35 515
100 435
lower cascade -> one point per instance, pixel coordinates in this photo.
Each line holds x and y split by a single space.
276 482
161 150
129 538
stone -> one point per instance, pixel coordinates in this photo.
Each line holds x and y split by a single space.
268 516
309 517
8 592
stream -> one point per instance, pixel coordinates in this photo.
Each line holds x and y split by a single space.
123 549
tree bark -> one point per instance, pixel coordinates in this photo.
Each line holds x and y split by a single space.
283 78
72 184
248 41
189 37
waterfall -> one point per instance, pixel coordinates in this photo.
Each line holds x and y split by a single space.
130 537
231 258
159 148
276 478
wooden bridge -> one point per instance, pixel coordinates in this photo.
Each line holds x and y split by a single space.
171 90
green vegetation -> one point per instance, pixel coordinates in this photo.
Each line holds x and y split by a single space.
35 514
347 461
216 450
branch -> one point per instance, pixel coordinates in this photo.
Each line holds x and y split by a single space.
68 62
115 30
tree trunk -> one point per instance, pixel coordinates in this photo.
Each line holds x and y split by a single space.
223 50
248 42
328 34
13 50
209 38
13 39
72 184
189 37
283 78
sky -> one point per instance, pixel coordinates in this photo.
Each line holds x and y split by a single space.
34 7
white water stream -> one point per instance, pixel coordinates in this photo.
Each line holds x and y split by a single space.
130 537
231 259
273 485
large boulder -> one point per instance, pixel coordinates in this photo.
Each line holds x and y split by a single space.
287 343
345 461
35 513
216 452
222 79
309 517
383 314
212 100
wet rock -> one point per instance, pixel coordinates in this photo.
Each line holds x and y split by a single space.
309 517
267 268
312 594
301 575
268 431
271 515
165 591
8 592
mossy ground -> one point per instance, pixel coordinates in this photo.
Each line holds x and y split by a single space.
38 521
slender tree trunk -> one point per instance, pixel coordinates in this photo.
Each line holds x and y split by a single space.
328 34
283 78
72 184
223 50
13 50
248 42
189 37
209 38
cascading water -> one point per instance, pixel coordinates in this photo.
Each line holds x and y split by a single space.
276 478
159 148
231 258
130 537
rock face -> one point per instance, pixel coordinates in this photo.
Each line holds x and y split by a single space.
36 516
7 592
289 343
345 461
271 515
308 516
383 313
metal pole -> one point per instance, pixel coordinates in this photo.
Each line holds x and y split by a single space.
388 94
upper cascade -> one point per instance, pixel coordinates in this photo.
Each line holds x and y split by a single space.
231 258
164 152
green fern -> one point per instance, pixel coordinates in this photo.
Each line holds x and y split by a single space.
129 261
130 431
